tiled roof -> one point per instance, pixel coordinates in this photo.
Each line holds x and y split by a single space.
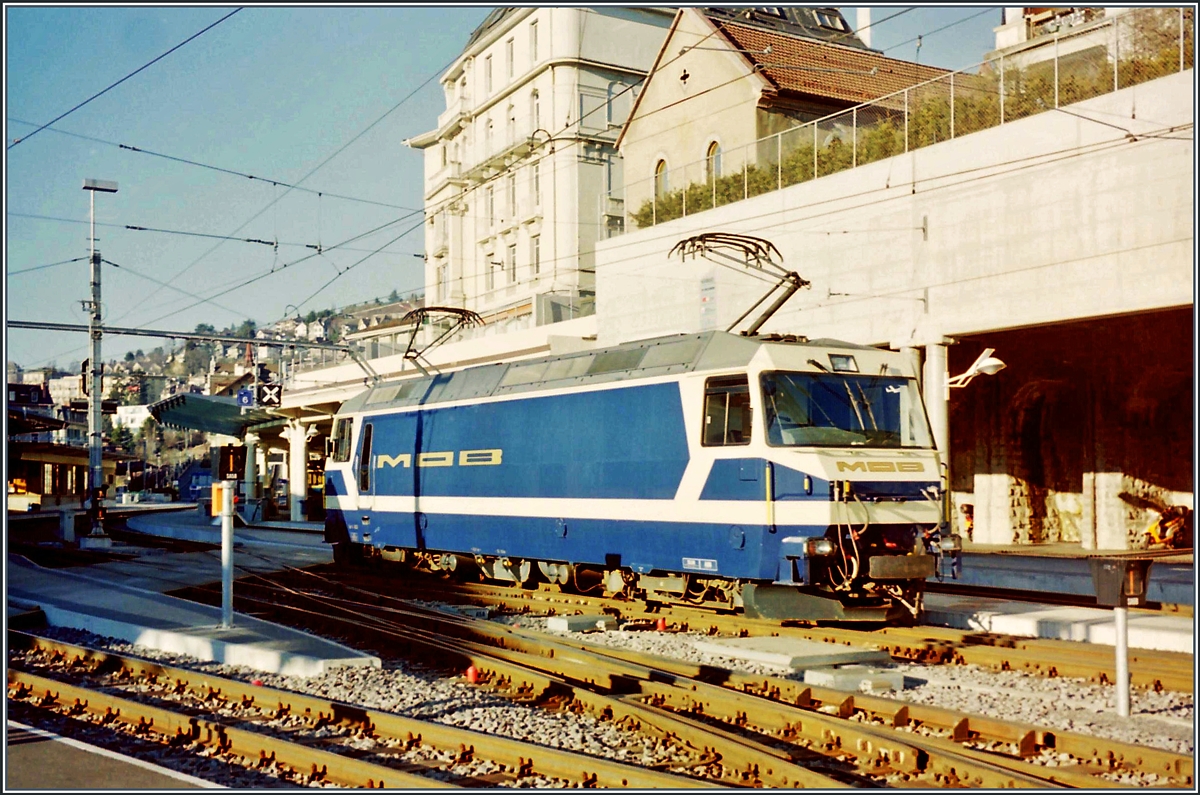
853 81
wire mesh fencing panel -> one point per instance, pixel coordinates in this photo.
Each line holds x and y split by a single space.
1148 44
797 161
929 113
696 185
976 100
1083 64
1028 90
835 148
641 203
879 131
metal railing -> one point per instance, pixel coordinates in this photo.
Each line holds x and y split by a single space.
1069 66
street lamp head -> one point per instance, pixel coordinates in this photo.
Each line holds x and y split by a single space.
986 364
102 185
991 365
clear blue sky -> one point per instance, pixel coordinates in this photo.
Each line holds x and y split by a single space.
273 92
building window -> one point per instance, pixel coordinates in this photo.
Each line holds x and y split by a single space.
491 205
512 124
487 74
535 254
508 52
512 196
441 282
660 179
535 111
533 42
536 179
488 134
489 268
445 155
712 161
511 263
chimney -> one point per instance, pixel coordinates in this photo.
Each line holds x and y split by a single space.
863 24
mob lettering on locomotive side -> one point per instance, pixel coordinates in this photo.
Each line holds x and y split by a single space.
880 466
445 458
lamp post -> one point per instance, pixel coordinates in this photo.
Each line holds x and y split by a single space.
96 538
939 404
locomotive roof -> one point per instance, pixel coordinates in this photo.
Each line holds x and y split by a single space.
678 353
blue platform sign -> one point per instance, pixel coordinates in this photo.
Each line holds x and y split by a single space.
245 397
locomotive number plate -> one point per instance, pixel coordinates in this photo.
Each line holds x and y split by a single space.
699 564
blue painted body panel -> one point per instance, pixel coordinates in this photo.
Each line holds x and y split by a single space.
626 443
744 550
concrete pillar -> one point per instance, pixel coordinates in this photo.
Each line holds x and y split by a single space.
253 489
937 396
297 438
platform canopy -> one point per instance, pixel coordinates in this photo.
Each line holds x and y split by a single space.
212 414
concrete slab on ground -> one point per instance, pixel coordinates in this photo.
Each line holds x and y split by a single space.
1162 632
152 619
854 677
794 653
580 623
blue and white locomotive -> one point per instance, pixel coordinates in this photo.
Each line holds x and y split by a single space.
794 479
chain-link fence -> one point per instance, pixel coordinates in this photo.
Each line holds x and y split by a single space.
1053 70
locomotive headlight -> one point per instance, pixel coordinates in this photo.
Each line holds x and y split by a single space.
818 547
951 543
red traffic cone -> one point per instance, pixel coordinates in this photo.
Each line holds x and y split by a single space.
257 683
472 675
662 625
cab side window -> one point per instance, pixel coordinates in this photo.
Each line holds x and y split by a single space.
726 411
364 460
341 440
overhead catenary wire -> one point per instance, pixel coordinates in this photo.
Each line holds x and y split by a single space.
62 116
43 267
219 169
135 228
312 171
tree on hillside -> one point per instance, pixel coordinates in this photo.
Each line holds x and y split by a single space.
394 296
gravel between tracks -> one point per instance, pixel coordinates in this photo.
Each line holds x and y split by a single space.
1161 720
406 689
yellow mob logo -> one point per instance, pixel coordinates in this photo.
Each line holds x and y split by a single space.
880 466
466 458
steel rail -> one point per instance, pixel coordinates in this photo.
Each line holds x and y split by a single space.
522 758
877 750
1027 740
324 765
1038 656
566 685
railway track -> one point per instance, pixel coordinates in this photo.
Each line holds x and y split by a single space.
761 730
297 738
1156 670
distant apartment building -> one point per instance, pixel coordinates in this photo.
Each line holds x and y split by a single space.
519 160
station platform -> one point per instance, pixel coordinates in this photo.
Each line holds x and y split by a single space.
194 526
1147 629
42 760
1066 569
127 600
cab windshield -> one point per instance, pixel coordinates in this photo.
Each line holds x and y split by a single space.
837 410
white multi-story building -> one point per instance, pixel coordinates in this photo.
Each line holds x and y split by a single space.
518 163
